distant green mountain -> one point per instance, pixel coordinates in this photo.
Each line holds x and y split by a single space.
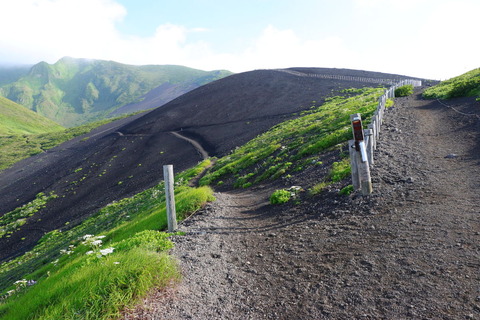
76 91
9 74
16 119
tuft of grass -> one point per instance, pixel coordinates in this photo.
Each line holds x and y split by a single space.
404 91
280 196
340 170
347 190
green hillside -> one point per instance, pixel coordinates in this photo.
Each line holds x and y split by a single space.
96 268
16 119
77 91
465 85
16 147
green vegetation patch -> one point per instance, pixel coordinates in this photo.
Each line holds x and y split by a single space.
465 85
13 220
340 170
404 91
16 119
17 147
103 265
294 144
284 195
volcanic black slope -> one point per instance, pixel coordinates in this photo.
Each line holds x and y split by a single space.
126 157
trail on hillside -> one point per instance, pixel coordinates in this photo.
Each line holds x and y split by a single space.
203 153
409 251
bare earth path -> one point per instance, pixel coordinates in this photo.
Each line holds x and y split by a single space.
410 251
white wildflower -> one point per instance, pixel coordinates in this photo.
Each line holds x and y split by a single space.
96 243
89 252
116 262
104 252
87 236
100 237
19 283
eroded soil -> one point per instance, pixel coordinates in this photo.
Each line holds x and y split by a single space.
411 250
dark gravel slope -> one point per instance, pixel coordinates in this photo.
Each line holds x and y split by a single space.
86 173
411 250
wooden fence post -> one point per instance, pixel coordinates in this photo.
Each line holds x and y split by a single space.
369 144
353 164
170 197
364 170
361 157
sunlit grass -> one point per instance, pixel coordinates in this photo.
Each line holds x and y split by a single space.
108 262
294 144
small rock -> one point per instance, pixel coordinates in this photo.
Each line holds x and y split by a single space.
451 156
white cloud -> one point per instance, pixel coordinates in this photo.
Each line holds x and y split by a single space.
276 48
442 44
53 28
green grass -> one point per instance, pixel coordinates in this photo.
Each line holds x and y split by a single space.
16 119
13 220
75 279
465 85
404 91
339 171
280 196
294 144
20 146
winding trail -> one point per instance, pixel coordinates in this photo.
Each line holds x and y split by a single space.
194 143
410 251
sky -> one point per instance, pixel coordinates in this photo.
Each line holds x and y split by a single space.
433 39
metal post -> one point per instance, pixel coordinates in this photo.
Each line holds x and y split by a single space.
170 197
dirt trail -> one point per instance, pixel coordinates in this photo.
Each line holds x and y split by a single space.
194 143
410 251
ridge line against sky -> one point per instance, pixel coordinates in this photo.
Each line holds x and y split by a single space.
435 39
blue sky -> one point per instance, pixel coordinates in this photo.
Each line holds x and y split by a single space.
435 39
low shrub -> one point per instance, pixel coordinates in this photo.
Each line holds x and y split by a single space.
280 196
404 91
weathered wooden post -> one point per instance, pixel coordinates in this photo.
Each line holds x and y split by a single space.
369 144
170 197
353 165
361 155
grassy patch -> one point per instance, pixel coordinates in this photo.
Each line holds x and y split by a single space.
17 147
293 145
284 195
465 85
95 269
404 91
13 220
16 119
340 170
280 196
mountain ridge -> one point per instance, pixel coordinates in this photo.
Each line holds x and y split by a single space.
76 91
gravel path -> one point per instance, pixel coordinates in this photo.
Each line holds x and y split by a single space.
409 251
